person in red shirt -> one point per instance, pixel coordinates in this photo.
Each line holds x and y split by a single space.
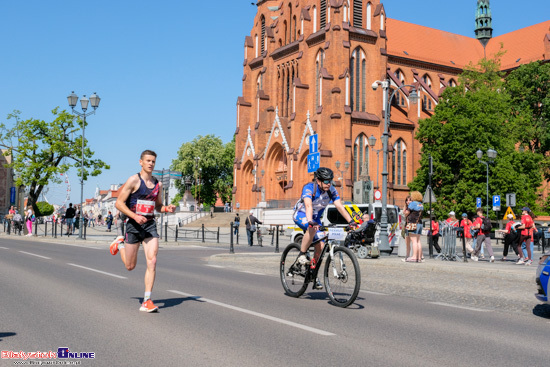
452 221
466 224
435 235
526 226
11 211
482 238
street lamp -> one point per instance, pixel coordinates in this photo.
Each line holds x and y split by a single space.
372 143
346 166
94 101
413 97
491 156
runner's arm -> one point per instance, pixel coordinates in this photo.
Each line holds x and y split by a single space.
162 208
127 189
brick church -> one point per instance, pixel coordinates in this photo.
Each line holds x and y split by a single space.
308 68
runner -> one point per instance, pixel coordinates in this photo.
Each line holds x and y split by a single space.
138 200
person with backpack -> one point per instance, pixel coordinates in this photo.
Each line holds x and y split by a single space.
511 237
308 211
251 227
484 225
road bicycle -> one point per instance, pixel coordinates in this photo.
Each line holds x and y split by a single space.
342 275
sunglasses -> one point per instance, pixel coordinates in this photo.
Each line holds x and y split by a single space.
327 182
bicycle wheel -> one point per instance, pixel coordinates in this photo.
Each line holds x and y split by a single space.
342 277
293 274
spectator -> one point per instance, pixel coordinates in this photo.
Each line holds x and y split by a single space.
452 221
236 224
525 239
69 219
109 221
466 224
18 221
511 237
11 211
29 220
251 227
414 226
483 237
435 235
408 200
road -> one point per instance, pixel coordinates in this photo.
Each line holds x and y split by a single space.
79 296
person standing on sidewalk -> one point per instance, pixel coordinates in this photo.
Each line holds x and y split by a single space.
435 235
236 224
466 224
452 221
511 237
29 219
414 226
483 237
526 226
138 200
408 200
251 227
70 213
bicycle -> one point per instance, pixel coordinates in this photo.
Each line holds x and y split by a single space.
342 275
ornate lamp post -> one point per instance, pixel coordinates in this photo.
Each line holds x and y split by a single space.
413 97
94 101
491 156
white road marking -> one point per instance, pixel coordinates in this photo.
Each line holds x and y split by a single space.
4 248
216 266
257 314
251 272
98 271
29 253
376 293
461 307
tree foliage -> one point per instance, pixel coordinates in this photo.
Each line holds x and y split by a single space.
476 115
44 209
215 168
42 150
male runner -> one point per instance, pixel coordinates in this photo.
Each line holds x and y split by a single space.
138 200
309 210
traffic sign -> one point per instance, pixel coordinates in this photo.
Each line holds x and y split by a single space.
511 199
377 195
496 203
313 144
509 211
313 162
478 202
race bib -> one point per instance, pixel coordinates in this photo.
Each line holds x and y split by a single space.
145 207
337 234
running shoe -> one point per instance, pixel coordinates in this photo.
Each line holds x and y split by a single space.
148 306
475 258
528 262
113 248
520 262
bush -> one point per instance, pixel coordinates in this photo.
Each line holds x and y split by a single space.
43 209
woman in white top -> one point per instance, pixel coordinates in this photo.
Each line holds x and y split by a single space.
29 221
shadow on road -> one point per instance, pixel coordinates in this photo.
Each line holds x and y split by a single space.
171 302
4 334
542 311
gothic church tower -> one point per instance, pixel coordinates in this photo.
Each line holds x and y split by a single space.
484 28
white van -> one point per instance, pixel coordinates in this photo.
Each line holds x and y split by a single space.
332 216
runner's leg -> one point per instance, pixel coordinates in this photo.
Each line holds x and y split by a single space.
150 248
128 255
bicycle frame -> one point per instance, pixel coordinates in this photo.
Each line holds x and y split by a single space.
313 269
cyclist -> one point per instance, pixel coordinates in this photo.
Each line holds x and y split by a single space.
308 211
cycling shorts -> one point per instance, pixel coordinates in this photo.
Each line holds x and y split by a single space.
301 221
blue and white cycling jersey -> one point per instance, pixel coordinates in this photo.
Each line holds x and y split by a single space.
319 200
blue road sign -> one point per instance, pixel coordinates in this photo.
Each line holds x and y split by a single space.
313 144
313 161
496 200
478 202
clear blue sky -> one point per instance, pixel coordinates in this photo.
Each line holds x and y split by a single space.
166 70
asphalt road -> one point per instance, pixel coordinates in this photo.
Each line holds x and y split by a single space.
79 296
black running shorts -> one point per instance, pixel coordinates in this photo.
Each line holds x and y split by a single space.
136 233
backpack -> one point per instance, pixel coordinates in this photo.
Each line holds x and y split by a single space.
486 225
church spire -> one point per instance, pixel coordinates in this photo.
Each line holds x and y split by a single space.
484 27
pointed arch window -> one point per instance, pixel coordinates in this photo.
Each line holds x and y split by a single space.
452 83
399 163
319 61
369 15
360 157
263 34
358 13
358 71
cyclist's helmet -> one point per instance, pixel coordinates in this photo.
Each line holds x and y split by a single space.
324 174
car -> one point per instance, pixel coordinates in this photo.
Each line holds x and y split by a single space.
331 216
543 278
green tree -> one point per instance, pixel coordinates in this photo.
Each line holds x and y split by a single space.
215 167
41 150
44 209
478 114
529 88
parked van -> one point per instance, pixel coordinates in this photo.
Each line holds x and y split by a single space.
332 216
